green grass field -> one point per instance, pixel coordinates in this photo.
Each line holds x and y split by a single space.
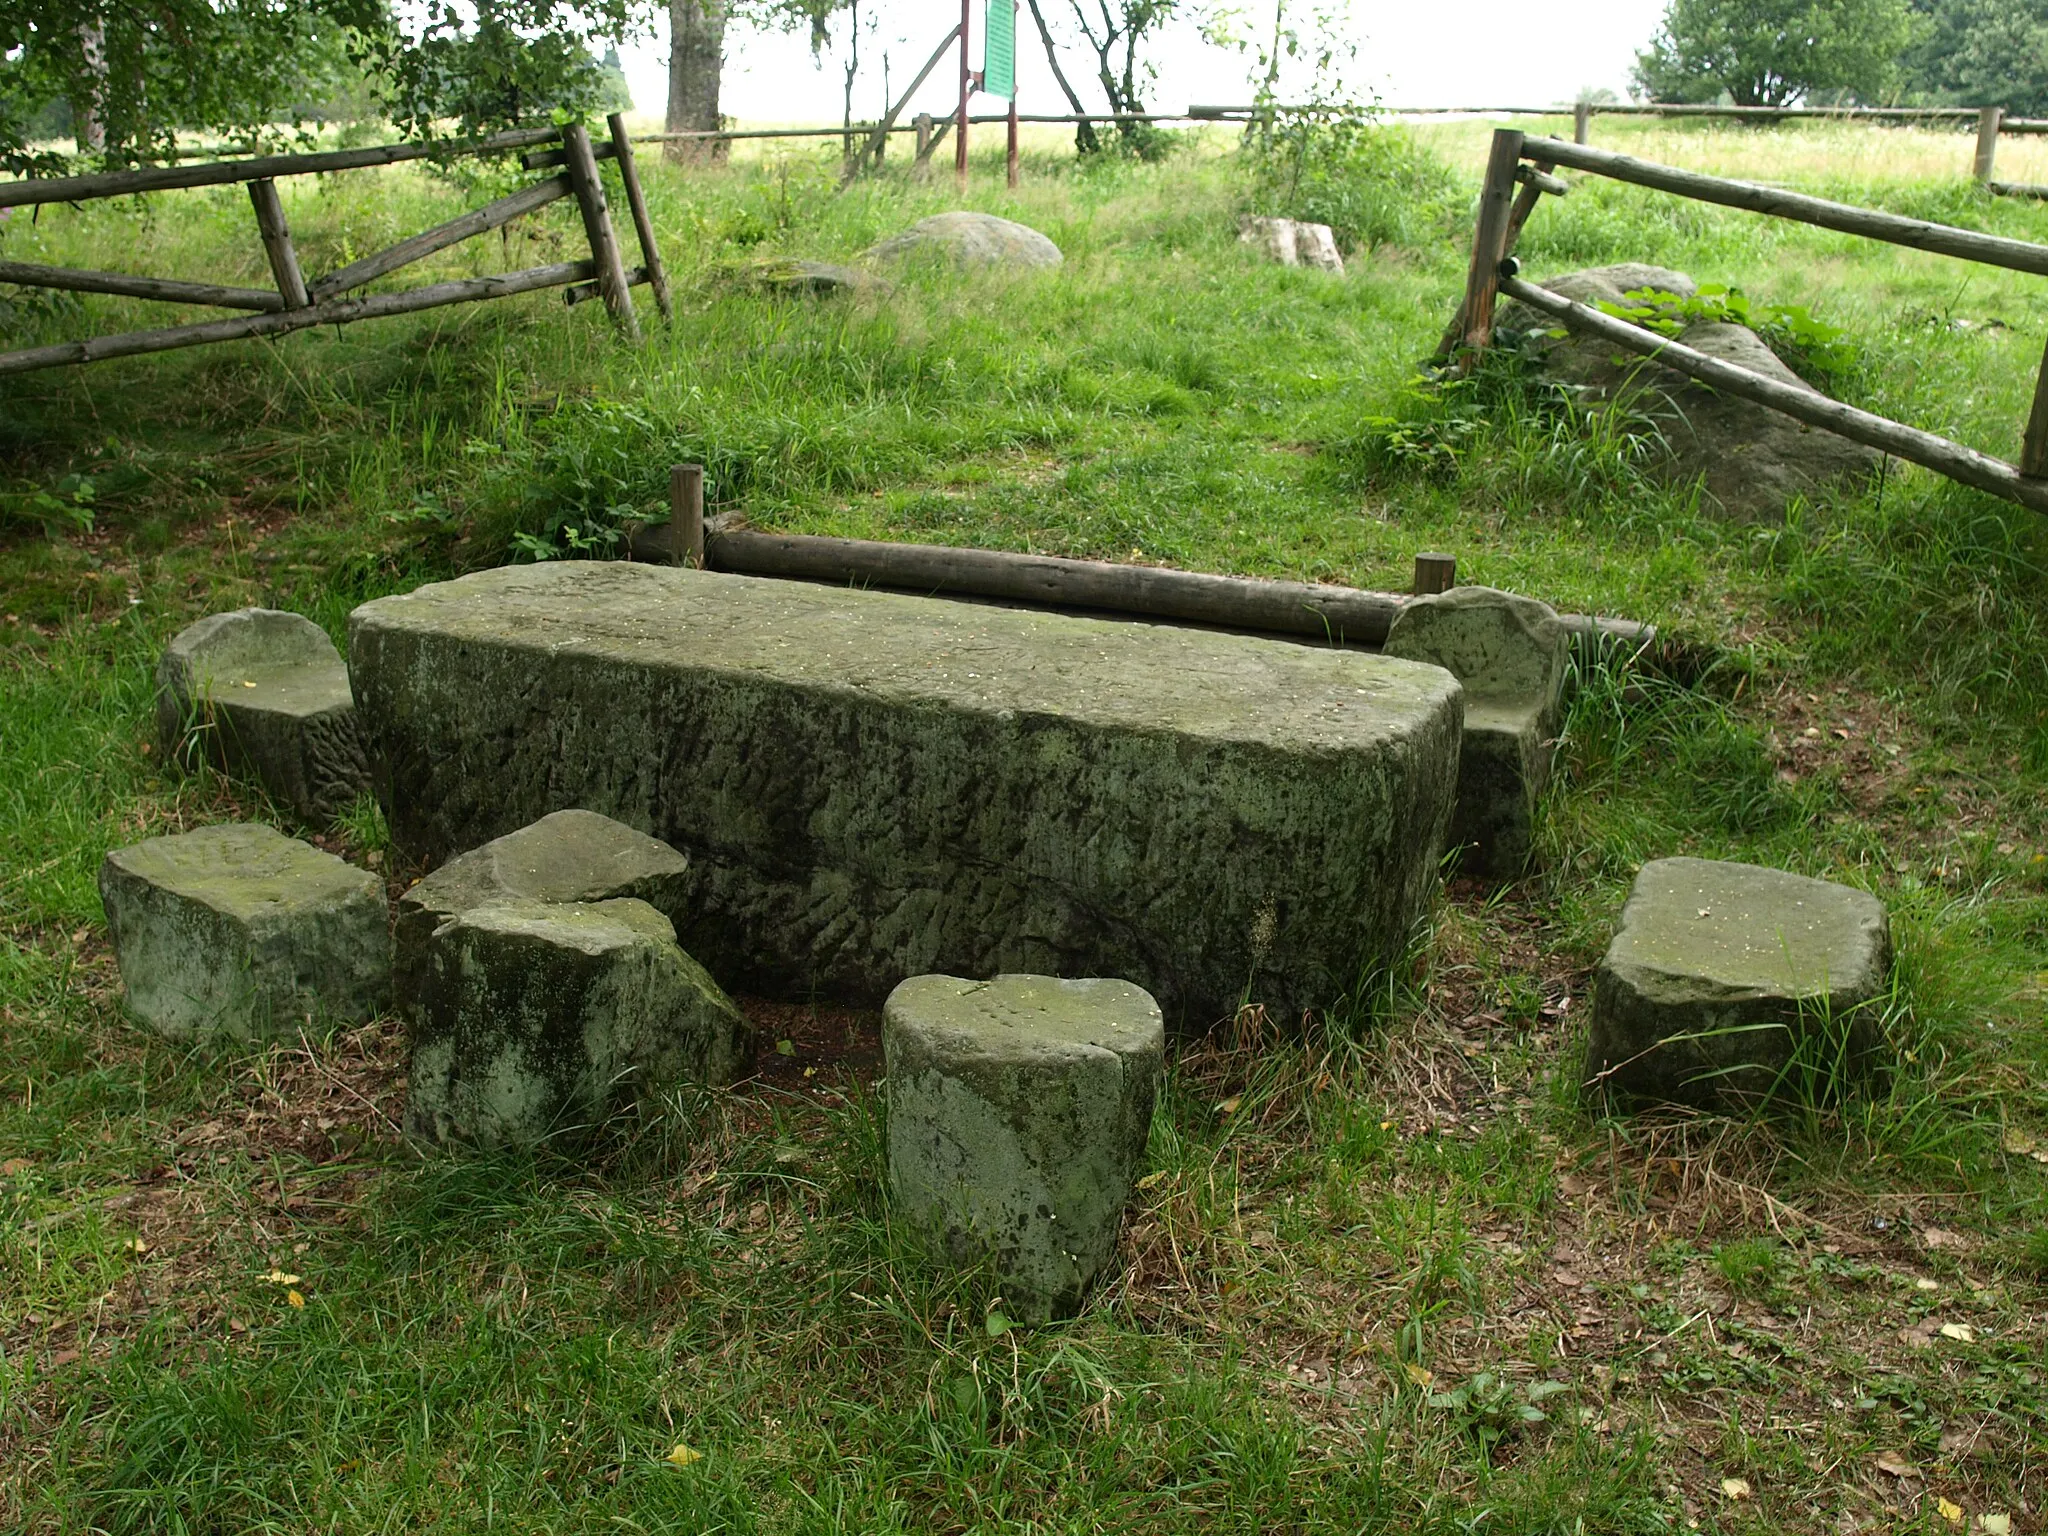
1389 1274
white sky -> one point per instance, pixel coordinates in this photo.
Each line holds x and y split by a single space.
1422 53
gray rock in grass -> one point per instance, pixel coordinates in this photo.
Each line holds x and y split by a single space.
537 1020
965 239
240 931
1729 983
1293 242
1509 652
1018 1113
567 856
264 696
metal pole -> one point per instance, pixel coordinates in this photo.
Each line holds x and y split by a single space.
960 126
1012 157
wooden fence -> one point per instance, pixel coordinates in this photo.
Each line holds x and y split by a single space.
297 302
1519 172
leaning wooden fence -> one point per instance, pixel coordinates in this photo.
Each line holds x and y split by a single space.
297 302
1518 173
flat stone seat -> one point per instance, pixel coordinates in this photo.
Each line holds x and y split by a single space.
538 1020
1720 974
566 856
1510 653
869 785
1018 1114
263 695
238 930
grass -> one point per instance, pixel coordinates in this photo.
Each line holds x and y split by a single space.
1361 1252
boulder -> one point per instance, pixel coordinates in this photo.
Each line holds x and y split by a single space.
967 240
566 856
537 1020
1509 652
1724 980
1018 1114
870 785
238 930
1293 242
263 696
1754 460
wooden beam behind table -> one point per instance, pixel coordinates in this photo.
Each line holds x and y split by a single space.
1959 463
332 312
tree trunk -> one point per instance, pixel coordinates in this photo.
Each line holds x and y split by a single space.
1085 141
696 58
89 126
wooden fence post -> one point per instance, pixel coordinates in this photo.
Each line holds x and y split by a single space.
1582 123
923 120
1435 573
1489 237
1988 122
643 226
277 244
597 227
2034 449
686 515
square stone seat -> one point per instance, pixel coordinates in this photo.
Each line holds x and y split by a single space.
1721 972
869 786
238 930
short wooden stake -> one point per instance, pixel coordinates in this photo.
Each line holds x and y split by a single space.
1582 123
686 515
643 226
277 244
1435 573
1988 122
597 228
923 122
2034 449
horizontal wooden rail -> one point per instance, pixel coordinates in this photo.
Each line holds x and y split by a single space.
1928 449
169 290
339 311
220 173
1942 239
440 237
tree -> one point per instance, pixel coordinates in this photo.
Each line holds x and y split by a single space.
696 64
1116 31
1983 53
1774 53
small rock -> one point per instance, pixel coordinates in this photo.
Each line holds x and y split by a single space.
568 856
1509 652
238 930
1293 242
264 696
969 240
1719 971
536 1020
1018 1114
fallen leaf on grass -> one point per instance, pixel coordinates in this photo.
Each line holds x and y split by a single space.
1735 1487
1421 1375
279 1277
1995 1525
136 1246
296 1298
682 1456
1941 1237
1952 1513
785 1047
1229 1105
1892 1464
1962 1333
1152 1179
14 1165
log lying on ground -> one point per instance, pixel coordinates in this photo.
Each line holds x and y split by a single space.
1344 615
169 290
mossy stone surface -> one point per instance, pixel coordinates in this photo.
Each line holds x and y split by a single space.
263 696
570 855
1018 1114
238 930
537 1020
1719 972
870 786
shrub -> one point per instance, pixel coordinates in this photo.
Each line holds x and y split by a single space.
1372 184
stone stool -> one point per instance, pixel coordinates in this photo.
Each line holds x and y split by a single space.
239 930
264 696
1018 1113
1509 652
1720 972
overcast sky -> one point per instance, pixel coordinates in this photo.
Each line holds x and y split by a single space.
1418 53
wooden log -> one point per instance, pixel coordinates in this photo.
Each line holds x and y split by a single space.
578 293
872 149
1582 123
1919 234
1435 573
1532 178
1489 238
643 226
547 159
2031 189
220 173
686 515
277 243
440 237
81 280
2034 447
1965 465
923 128
1518 215
340 311
597 228
1987 143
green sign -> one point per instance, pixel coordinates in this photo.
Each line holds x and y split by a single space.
999 50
